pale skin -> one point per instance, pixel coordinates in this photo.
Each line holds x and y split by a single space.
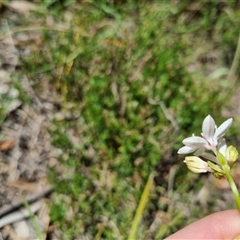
223 225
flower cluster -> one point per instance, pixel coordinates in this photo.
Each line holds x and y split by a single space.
211 146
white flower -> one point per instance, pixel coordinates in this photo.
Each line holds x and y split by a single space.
197 165
211 139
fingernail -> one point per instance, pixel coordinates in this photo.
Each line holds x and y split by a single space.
237 237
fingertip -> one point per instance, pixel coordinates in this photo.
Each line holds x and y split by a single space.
220 225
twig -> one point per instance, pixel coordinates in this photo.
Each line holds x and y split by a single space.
172 174
20 214
166 112
18 203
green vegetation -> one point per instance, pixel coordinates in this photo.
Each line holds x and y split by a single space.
129 81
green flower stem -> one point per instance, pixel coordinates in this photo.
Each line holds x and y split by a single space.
233 187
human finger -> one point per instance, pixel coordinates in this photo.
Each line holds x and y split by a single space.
223 225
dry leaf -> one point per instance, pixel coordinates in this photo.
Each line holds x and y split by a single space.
6 145
22 6
25 185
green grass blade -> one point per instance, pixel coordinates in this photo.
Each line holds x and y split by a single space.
140 209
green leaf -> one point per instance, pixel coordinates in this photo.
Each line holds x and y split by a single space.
221 159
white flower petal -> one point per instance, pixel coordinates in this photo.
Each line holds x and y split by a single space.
195 142
199 152
223 128
223 150
209 156
186 150
208 128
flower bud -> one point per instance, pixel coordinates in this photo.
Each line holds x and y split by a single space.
231 155
197 165
216 169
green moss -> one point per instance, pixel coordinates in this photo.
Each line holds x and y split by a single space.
126 69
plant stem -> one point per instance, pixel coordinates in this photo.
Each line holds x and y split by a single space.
233 187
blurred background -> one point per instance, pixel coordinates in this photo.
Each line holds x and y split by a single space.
96 98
